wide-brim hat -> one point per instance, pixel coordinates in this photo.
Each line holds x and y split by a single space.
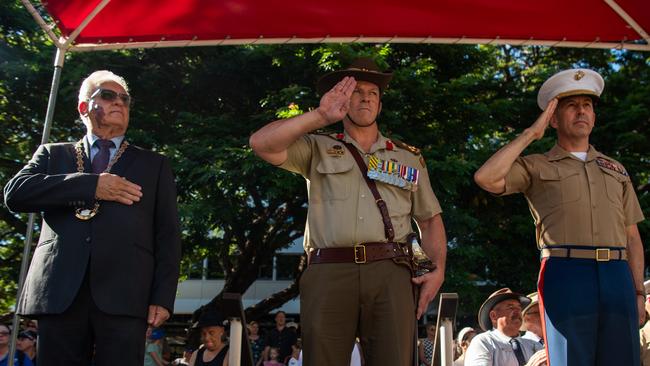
463 333
495 298
210 318
534 302
364 69
568 83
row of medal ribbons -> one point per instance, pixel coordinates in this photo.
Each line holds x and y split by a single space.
393 173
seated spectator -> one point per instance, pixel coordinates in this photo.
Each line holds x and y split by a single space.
295 359
274 355
500 344
26 342
185 360
20 359
532 324
463 340
213 335
425 347
153 348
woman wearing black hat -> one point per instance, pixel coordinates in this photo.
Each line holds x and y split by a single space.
213 334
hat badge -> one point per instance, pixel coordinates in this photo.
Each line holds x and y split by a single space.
579 75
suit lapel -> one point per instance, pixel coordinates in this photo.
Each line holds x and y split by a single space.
124 162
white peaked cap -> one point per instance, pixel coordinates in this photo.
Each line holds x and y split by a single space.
570 82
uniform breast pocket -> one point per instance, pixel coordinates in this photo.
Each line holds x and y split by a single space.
560 186
614 185
335 178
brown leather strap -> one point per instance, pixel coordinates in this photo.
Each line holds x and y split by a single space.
360 253
599 254
383 209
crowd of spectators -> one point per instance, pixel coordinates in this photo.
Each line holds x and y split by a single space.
504 317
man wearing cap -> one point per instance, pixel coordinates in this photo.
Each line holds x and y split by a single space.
500 344
26 342
213 336
364 191
532 324
586 214
20 359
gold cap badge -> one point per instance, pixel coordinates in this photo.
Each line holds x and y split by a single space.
579 75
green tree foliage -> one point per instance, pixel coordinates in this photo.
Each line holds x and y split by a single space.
199 106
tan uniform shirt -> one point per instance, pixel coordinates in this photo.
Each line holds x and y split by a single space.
574 202
342 211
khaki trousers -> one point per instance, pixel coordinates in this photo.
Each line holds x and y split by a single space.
340 301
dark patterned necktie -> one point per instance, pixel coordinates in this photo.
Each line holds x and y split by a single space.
518 352
100 161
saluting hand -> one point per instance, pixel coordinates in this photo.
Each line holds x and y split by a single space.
429 286
542 122
111 187
335 103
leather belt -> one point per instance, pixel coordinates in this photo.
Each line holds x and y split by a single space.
360 253
598 254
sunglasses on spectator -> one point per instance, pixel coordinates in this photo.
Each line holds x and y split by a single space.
110 96
4 333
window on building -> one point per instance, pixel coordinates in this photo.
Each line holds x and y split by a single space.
266 270
286 266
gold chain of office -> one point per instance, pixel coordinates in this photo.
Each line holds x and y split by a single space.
88 213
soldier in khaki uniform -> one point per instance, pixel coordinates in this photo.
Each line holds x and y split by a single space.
353 285
586 214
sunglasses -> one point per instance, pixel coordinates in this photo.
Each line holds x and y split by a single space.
4 333
110 96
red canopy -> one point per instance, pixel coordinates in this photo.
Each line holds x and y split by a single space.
156 23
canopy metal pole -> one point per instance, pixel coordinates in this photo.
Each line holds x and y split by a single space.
234 352
49 116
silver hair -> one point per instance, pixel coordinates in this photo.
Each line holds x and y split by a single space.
97 78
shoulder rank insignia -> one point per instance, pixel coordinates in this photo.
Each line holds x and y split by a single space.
336 150
412 149
393 173
607 164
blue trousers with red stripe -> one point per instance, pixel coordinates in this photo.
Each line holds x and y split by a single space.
590 312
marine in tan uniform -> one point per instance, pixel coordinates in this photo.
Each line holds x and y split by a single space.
354 285
586 213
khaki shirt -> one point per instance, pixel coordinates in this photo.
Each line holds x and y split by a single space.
574 202
342 211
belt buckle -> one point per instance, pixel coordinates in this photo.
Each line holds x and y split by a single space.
359 259
604 257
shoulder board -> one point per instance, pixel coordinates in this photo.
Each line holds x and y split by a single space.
611 165
412 149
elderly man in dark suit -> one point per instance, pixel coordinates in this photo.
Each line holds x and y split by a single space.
107 261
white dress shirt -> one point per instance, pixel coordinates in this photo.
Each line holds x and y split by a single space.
493 348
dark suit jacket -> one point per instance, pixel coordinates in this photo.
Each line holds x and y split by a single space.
131 253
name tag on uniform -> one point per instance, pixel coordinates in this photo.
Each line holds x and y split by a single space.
393 173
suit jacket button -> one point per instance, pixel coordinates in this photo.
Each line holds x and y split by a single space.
88 239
